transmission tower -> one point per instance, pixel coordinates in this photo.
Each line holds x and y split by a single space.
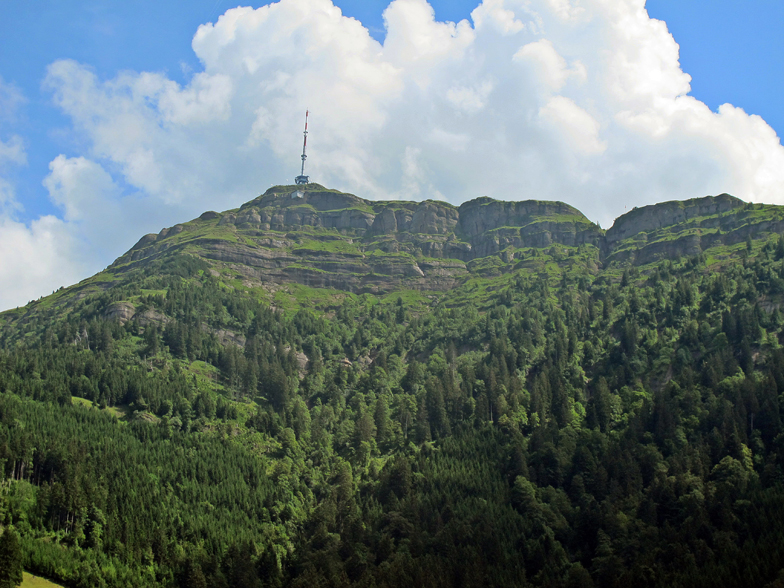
302 178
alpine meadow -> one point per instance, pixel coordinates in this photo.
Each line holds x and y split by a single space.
320 390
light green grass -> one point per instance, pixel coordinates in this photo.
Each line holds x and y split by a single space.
412 299
118 412
330 246
81 402
207 376
377 256
295 296
31 581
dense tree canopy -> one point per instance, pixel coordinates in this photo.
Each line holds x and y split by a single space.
610 429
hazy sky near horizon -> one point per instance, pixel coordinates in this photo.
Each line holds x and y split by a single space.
118 119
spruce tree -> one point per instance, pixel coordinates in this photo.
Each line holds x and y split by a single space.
10 559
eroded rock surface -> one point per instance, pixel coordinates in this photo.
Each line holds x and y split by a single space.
328 239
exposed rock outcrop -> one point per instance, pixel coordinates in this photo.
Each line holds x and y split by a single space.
666 214
120 311
675 229
328 239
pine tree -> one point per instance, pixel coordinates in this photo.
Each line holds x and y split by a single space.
10 559
422 424
194 577
780 248
381 417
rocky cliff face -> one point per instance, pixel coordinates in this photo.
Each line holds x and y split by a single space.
328 239
492 226
667 214
675 229
324 238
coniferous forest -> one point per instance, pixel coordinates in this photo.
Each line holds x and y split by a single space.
582 426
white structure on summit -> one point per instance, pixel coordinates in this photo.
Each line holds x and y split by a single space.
302 178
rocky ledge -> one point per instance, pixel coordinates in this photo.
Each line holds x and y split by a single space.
325 238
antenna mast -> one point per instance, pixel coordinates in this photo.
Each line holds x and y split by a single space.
302 178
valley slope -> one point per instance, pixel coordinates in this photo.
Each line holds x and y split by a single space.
317 389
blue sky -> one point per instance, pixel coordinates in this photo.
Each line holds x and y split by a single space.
732 51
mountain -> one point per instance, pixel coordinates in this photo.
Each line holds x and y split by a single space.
332 241
317 389
327 239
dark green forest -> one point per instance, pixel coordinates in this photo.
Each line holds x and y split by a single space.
619 428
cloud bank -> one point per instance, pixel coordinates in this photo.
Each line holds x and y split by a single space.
576 100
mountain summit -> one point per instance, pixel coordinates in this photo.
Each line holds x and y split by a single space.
328 239
308 236
323 238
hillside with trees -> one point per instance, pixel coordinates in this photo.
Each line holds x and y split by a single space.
264 403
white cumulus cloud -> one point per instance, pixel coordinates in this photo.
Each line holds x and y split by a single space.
13 151
575 100
11 99
35 259
580 128
551 68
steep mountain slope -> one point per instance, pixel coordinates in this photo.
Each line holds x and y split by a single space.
324 390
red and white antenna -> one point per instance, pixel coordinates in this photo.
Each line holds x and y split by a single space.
302 178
